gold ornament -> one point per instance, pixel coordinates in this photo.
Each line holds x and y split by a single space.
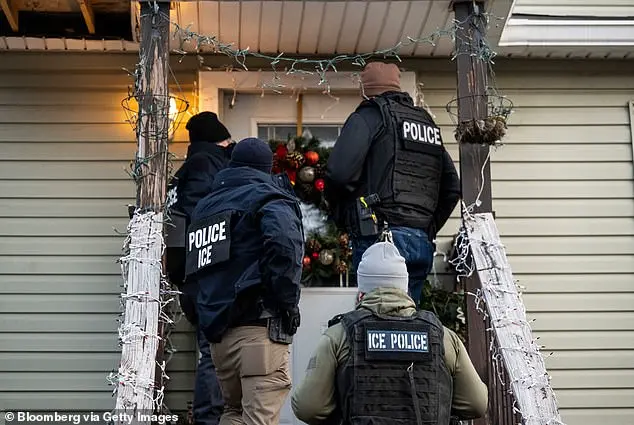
326 257
344 240
295 160
341 267
313 245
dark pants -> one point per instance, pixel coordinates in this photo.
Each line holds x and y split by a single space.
208 401
413 245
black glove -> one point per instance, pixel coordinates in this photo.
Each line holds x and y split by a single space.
290 320
188 302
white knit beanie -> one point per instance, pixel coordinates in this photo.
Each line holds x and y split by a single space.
382 266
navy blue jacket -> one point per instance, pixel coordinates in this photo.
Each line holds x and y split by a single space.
267 247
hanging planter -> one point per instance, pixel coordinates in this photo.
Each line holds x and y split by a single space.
486 131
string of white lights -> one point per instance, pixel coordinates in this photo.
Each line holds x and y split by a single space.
320 67
146 304
513 347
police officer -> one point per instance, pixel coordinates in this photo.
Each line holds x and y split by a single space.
389 166
209 151
385 362
245 249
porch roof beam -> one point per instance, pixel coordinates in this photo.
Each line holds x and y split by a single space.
88 14
11 12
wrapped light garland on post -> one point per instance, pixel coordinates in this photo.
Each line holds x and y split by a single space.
513 347
146 323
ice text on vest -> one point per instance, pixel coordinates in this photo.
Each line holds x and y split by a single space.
397 341
203 239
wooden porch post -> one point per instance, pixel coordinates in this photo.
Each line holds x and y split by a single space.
140 382
474 168
153 134
153 124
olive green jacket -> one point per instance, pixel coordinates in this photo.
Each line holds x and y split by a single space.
314 399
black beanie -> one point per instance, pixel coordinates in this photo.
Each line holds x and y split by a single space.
254 153
205 127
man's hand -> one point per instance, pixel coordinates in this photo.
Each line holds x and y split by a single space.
290 320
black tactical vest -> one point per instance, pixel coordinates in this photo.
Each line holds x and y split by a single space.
404 165
396 373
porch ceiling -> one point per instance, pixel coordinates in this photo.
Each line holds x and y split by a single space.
322 27
309 27
525 28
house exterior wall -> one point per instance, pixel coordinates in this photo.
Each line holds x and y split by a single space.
563 197
563 194
64 149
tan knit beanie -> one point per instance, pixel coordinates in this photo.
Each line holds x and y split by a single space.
380 77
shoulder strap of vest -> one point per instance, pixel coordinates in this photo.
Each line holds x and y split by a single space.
332 322
385 104
352 317
382 103
355 316
348 320
430 318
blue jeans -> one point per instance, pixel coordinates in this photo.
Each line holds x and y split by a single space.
413 245
208 401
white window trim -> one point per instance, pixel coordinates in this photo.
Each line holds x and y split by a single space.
263 120
211 84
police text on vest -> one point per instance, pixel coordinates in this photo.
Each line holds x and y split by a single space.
397 341
203 239
418 132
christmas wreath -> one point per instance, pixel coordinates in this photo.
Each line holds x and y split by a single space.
327 253
304 161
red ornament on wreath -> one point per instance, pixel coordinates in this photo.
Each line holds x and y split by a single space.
315 255
306 261
311 157
320 185
281 151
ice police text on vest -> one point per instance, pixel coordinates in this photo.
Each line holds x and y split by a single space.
203 239
418 132
379 340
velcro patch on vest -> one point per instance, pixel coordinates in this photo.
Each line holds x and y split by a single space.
404 341
208 242
420 137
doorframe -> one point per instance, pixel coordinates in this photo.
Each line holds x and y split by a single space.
211 84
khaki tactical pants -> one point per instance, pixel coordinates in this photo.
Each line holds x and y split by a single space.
253 374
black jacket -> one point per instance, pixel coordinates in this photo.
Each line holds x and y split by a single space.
346 170
191 183
196 176
265 255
